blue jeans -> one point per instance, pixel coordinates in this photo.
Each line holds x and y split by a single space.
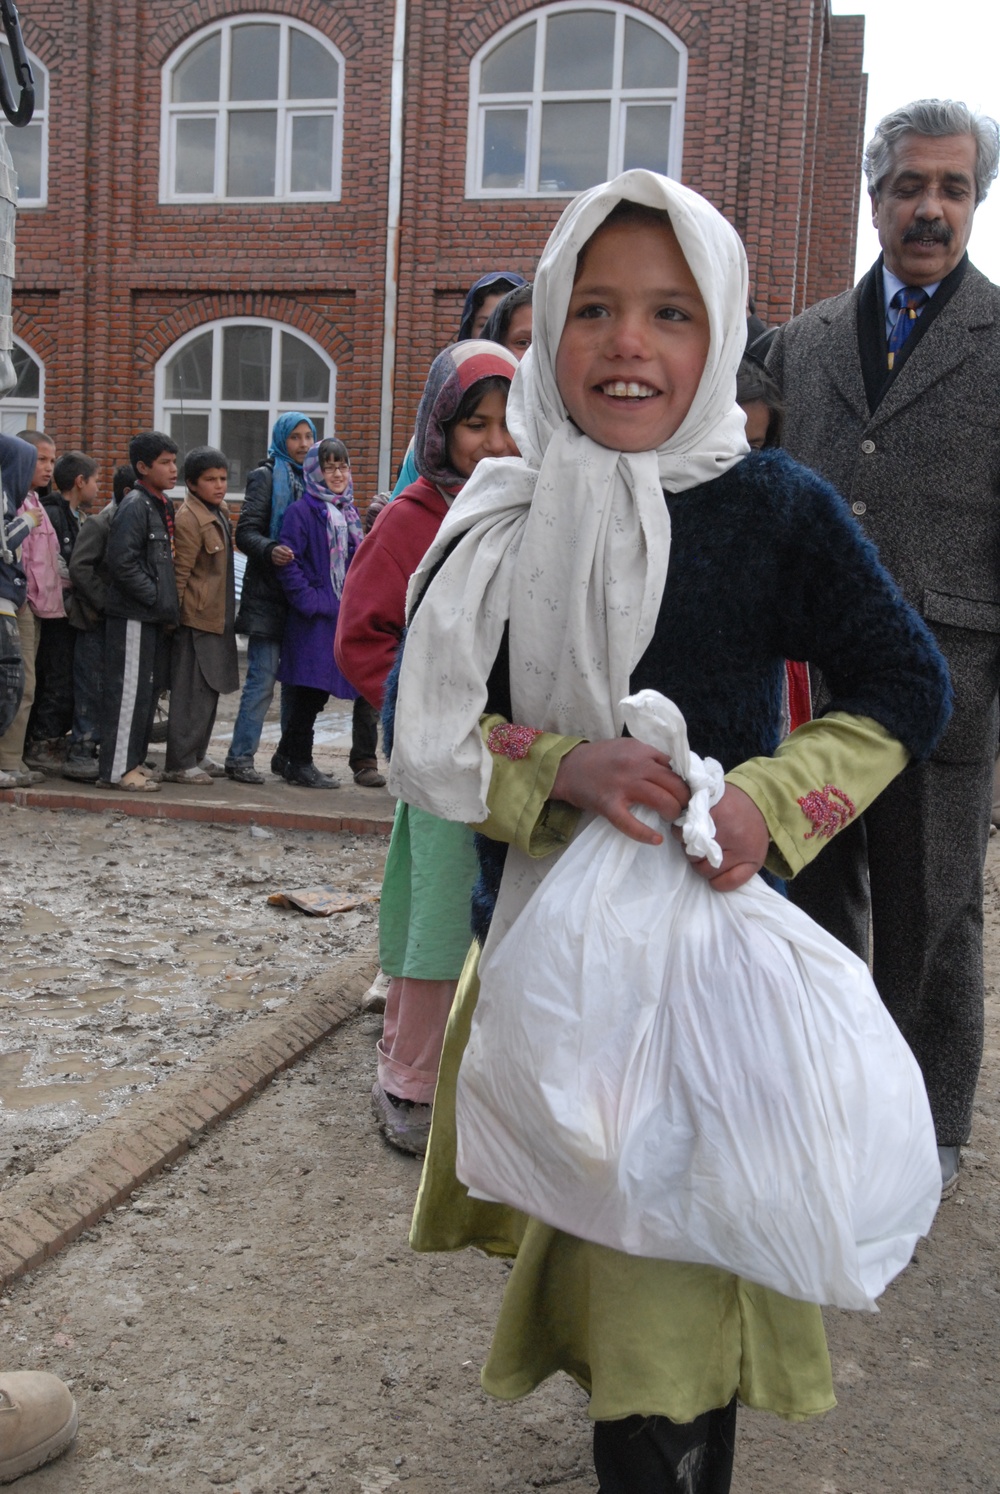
258 690
88 683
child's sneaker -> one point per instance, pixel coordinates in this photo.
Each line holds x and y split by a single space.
187 775
404 1124
46 757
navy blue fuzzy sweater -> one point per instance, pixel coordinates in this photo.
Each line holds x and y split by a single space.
767 564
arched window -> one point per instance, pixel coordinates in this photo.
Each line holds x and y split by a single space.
571 95
252 111
225 384
23 409
29 147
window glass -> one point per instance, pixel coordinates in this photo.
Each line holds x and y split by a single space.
28 375
574 152
196 76
510 67
253 63
554 100
647 137
305 378
189 372
25 148
226 385
312 153
245 435
580 51
313 72
505 136
195 171
650 61
252 145
188 431
246 363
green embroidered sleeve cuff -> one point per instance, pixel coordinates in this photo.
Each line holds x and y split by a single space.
821 777
525 764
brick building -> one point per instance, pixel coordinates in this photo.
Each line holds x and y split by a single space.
233 207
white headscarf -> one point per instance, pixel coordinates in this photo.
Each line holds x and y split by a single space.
570 542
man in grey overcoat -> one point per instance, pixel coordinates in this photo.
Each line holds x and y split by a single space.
892 392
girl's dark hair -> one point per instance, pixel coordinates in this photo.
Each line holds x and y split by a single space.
498 324
474 396
755 382
70 466
202 459
332 447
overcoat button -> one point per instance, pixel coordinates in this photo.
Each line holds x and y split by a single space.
868 447
859 508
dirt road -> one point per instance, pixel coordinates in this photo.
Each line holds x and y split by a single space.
253 1322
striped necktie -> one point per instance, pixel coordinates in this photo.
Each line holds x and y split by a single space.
909 302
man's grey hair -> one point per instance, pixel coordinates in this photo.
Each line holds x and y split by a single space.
934 117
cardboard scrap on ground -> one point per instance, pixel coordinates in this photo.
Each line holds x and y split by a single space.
322 901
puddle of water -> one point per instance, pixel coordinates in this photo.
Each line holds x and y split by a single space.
35 920
140 1005
89 1094
72 1001
12 1066
35 975
239 999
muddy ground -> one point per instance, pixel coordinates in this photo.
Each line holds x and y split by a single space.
254 1321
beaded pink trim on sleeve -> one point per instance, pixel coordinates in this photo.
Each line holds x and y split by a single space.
828 810
515 742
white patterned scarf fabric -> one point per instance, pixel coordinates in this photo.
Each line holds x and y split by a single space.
569 542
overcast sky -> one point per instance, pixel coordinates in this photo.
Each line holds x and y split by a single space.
954 53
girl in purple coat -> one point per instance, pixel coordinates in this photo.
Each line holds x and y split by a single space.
322 530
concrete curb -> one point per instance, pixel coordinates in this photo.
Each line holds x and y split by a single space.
72 1190
158 807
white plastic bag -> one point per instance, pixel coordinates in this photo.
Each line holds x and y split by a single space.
693 1075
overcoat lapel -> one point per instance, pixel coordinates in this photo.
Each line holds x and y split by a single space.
840 355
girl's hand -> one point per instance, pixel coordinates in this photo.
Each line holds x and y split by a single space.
282 555
609 777
742 832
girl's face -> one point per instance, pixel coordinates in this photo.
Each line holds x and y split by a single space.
336 474
758 419
298 442
518 339
486 308
482 434
634 346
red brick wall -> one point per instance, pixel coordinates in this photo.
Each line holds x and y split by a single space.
108 278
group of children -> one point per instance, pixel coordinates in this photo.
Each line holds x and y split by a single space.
141 599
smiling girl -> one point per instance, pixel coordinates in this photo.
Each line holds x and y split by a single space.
637 544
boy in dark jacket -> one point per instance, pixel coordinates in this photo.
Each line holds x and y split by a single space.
74 487
85 611
141 613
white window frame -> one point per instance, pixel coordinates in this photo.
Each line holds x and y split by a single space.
39 117
620 98
166 406
219 110
26 407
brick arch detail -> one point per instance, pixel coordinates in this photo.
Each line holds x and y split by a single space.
197 15
493 17
39 338
208 309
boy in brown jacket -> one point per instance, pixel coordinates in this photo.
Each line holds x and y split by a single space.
203 662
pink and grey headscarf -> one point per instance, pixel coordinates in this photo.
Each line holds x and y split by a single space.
342 519
452 374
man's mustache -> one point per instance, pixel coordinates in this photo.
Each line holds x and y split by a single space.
927 228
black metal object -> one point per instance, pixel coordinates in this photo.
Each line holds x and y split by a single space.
20 113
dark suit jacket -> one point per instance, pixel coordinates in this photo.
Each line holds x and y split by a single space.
921 473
